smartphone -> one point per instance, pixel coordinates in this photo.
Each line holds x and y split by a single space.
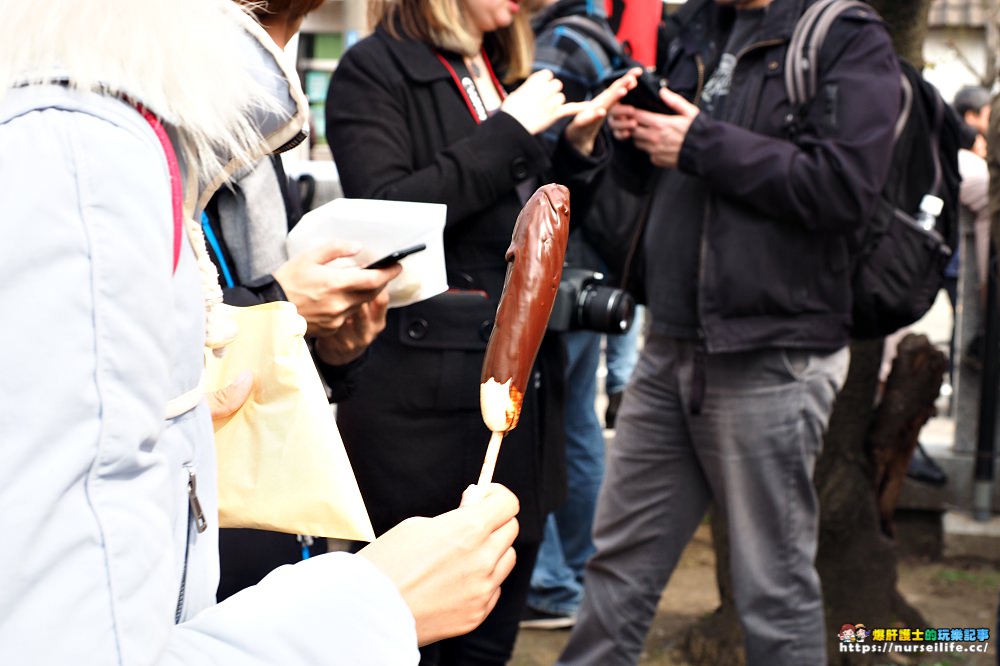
646 95
394 257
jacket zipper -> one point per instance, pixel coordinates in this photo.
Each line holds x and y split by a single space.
197 516
703 245
700 64
299 137
641 226
751 108
196 513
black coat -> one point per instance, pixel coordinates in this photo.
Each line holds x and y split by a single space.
399 129
775 201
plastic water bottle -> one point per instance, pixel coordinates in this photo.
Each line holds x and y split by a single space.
930 208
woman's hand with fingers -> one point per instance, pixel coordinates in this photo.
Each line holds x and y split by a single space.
583 129
539 102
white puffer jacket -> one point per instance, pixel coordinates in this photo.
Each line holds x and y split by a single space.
100 562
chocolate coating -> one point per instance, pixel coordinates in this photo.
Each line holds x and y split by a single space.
535 260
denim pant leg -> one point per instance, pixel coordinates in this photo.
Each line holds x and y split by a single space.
758 438
556 580
621 353
653 497
554 587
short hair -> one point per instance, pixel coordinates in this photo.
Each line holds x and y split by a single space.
294 8
971 98
442 24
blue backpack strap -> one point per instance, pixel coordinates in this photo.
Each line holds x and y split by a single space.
587 33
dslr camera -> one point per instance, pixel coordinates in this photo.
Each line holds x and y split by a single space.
584 302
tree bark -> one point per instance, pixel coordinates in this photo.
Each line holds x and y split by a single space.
907 404
907 21
858 477
861 470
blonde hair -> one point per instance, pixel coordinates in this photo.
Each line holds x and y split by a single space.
442 23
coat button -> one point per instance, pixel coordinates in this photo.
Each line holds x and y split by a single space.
519 168
773 65
485 330
417 329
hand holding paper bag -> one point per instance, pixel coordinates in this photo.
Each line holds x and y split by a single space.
228 399
282 464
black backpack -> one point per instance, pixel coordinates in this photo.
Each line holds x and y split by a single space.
898 265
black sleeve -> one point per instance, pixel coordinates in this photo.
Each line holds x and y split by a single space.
340 379
263 290
371 141
825 180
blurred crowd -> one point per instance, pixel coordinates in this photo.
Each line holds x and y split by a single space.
143 185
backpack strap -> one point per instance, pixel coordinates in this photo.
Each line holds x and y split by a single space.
802 57
176 189
937 126
610 48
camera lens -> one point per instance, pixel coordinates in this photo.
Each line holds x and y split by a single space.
605 309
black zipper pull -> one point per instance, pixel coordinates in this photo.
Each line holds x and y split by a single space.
199 516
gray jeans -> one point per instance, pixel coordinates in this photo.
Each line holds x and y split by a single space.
752 450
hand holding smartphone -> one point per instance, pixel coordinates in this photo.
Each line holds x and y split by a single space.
646 95
395 257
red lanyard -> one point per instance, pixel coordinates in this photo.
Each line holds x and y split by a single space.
467 86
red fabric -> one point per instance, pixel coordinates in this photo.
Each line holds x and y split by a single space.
639 22
176 192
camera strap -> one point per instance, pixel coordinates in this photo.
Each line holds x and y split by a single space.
455 64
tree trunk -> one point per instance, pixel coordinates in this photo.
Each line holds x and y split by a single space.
866 452
907 21
856 558
907 404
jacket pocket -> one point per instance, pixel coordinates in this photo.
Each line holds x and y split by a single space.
455 320
446 337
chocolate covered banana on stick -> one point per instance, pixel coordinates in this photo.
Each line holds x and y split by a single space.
535 260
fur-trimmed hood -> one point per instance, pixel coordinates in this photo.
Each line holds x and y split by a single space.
204 66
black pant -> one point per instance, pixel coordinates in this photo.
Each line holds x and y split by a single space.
246 556
492 643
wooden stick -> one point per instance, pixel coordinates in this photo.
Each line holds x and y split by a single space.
490 462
